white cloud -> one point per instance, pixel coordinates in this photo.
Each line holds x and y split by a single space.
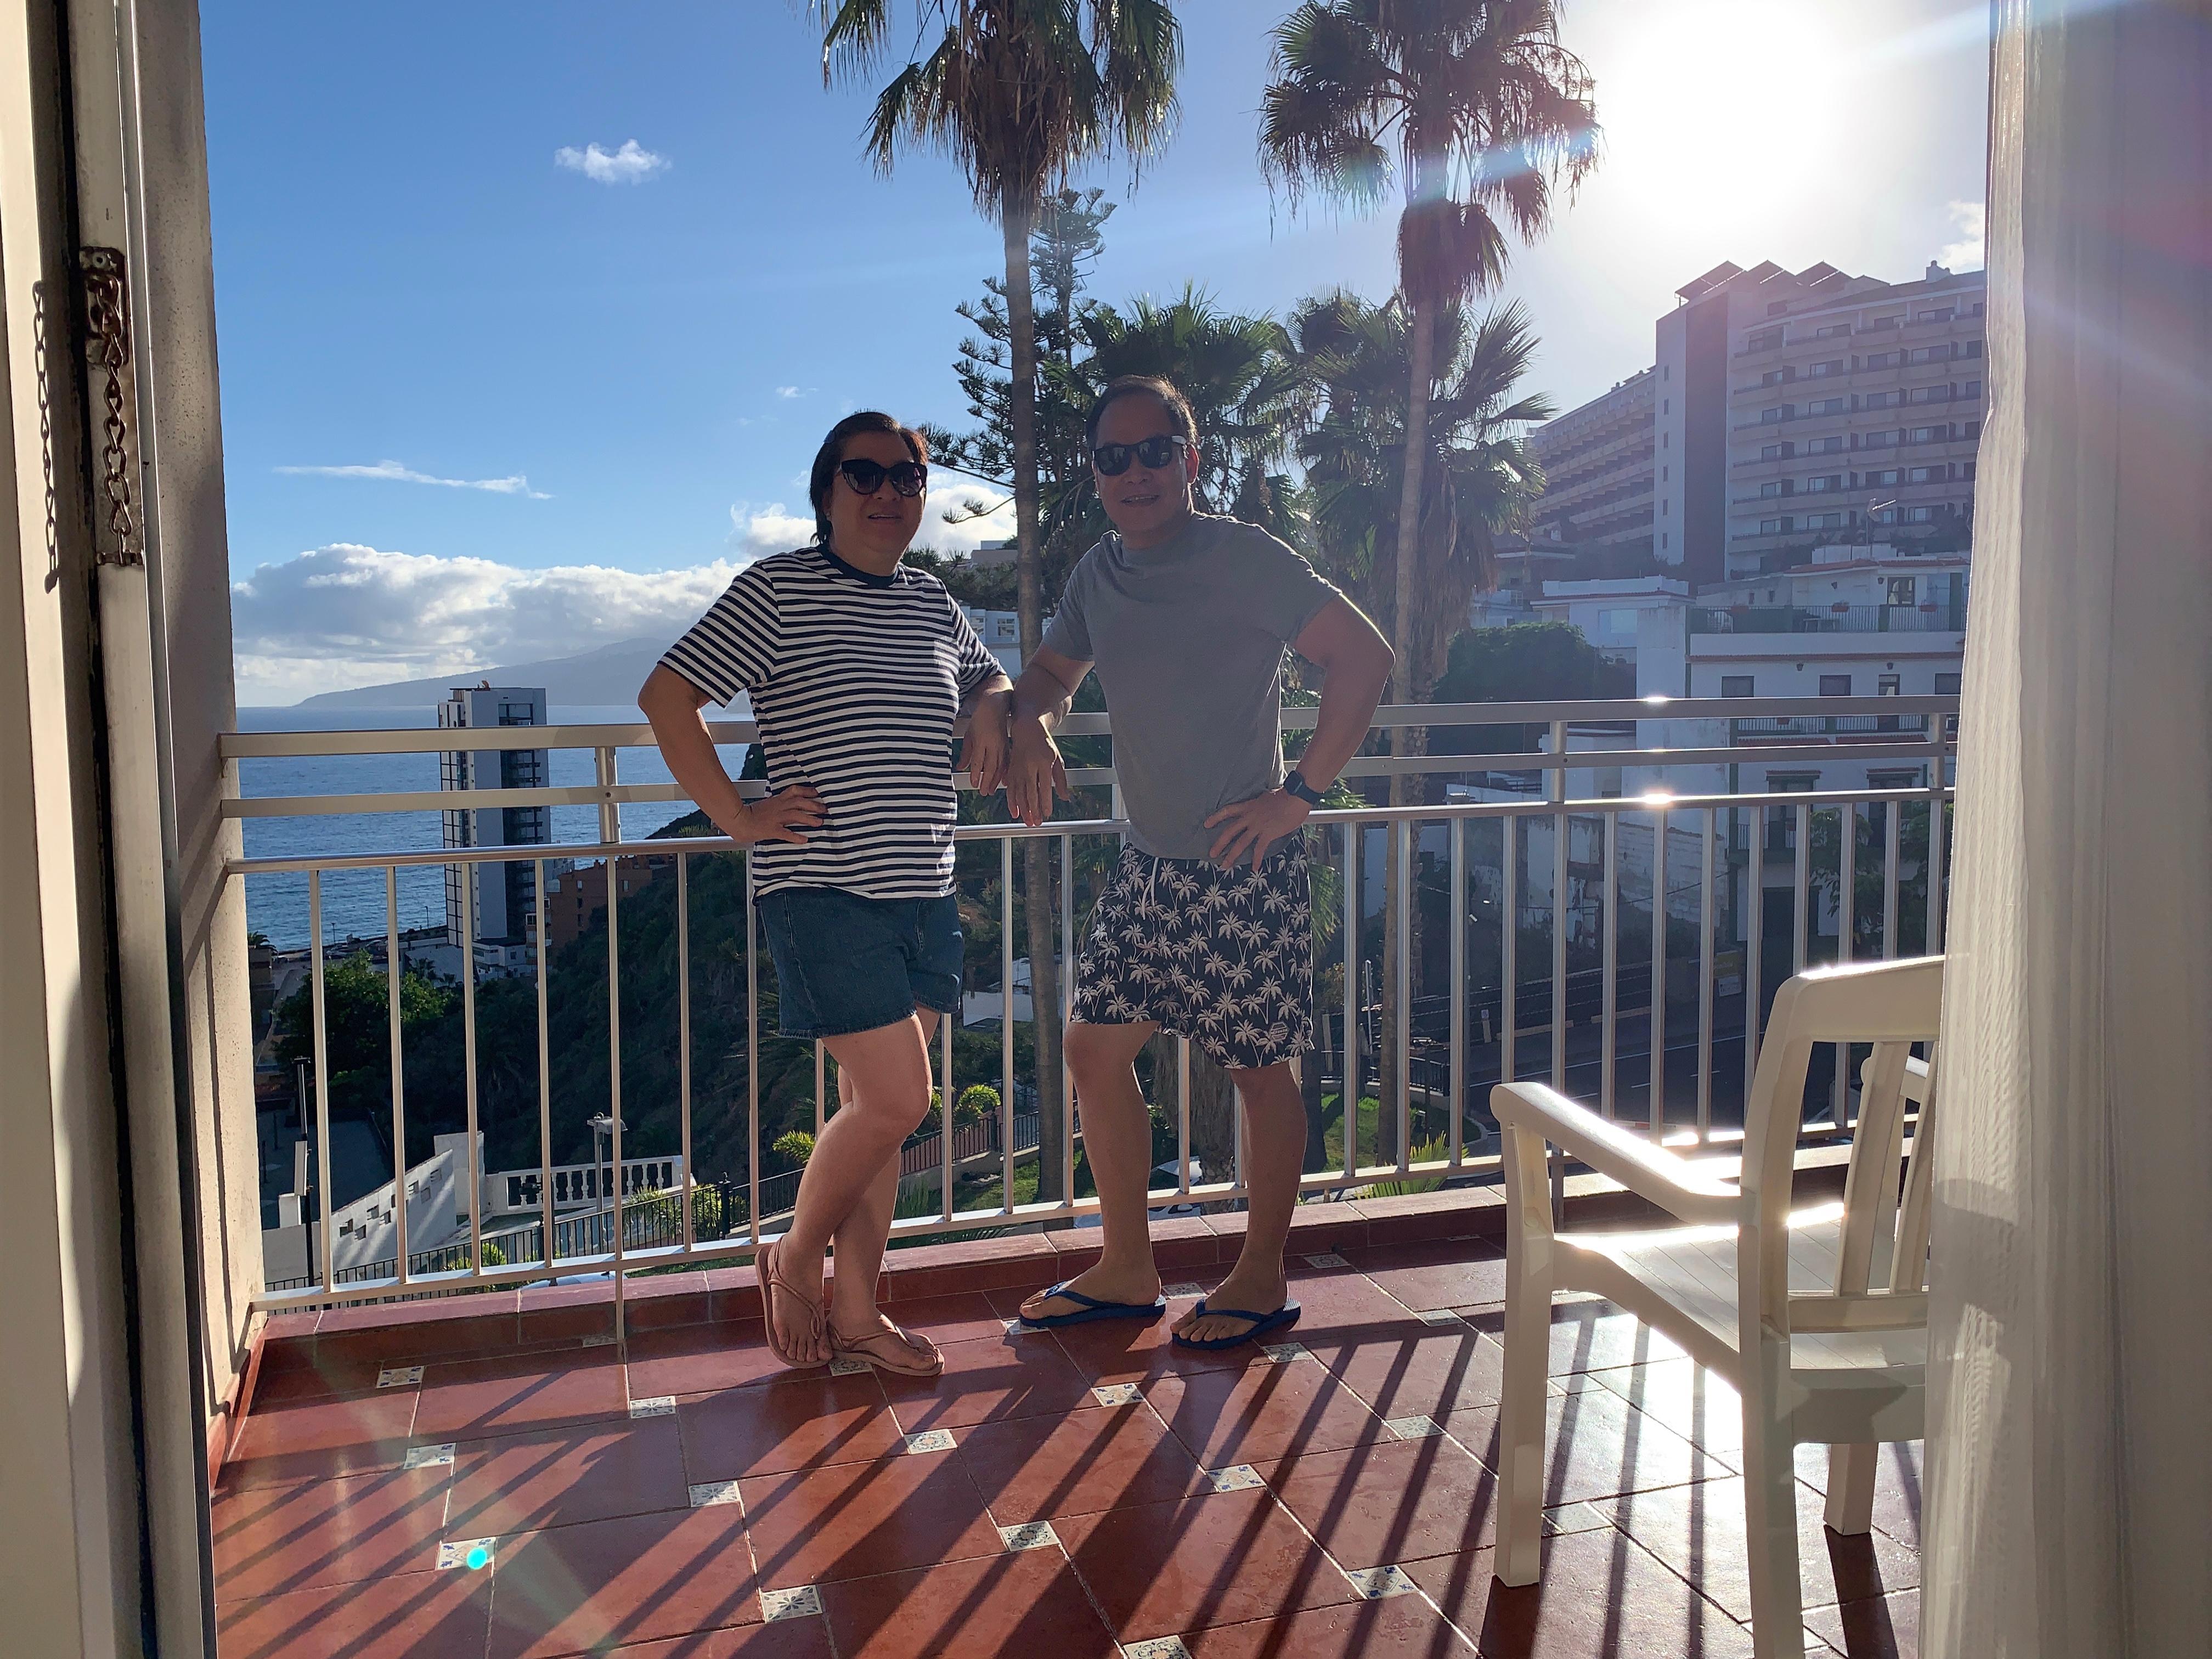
789 392
946 528
755 531
347 615
400 472
1969 219
633 164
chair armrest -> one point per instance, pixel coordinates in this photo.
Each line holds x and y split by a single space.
1649 1171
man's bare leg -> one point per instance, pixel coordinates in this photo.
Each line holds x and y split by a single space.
1274 1156
1117 1139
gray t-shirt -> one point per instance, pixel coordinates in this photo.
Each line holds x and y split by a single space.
1187 638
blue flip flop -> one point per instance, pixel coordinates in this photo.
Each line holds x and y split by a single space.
1281 1320
1092 1308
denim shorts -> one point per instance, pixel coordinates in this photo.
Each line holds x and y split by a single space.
845 963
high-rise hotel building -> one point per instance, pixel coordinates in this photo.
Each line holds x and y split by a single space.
1784 410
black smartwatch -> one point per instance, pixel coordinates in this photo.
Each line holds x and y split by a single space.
1295 784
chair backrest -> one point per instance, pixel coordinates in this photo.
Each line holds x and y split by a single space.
1891 1005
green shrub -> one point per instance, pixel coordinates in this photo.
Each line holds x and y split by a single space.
793 1146
978 1103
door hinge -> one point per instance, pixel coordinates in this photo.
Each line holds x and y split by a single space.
116 520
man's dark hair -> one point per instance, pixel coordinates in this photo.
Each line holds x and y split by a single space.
833 450
1181 421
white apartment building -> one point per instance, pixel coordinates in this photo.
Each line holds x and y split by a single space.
1784 409
1610 614
505 894
1599 471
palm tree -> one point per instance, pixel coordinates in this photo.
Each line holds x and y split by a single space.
1019 92
1476 109
1476 479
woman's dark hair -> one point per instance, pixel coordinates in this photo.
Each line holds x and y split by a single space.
1181 421
833 450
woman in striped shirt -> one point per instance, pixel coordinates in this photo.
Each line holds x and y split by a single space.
857 667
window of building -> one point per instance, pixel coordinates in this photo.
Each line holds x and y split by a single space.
1830 331
1774 526
1926 474
1764 339
1880 440
1824 446
1666 405
1932 354
1879 359
1883 515
1667 372
1825 481
1904 589
1923 515
1887 686
1825 521
1616 622
1973 389
1780 412
1777 376
1735 685
1911 779
1835 685
1891 321
1885 475
1880 400
1774 452
1947 685
1826 406
1929 434
1967 472
1943 315
1663 540
1664 505
1972 429
1928 394
1834 365
1772 488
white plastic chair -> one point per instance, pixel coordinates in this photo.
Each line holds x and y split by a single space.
1782 1303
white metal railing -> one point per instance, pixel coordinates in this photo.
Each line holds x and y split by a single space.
1730 908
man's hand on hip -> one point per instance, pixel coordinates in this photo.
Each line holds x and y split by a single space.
1255 825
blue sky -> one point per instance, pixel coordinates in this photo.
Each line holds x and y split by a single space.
406 274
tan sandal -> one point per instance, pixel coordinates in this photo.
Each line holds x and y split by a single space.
895 1349
772 1281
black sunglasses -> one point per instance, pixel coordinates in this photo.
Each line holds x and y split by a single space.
908 478
1112 460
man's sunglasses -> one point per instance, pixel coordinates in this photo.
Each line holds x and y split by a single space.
908 478
1112 460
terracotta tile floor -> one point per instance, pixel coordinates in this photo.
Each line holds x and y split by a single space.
1066 1493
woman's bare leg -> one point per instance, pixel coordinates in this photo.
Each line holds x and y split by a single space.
890 1071
857 1252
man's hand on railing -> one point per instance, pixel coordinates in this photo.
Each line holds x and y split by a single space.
1036 775
788 814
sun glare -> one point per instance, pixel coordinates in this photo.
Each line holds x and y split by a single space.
1725 107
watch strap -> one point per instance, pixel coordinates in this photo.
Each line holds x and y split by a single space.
1296 784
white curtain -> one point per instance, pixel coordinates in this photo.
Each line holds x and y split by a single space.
2069 1465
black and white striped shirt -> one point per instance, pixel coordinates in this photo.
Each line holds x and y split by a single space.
856 680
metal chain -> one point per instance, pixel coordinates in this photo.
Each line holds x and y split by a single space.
107 331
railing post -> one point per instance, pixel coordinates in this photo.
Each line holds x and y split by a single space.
1457 829
1559 831
545 1195
323 1207
684 1038
392 978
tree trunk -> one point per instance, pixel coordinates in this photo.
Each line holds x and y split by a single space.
1404 688
1036 855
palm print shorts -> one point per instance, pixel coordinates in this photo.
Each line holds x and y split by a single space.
1222 956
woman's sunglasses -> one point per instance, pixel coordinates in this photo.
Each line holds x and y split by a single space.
908 478
1112 460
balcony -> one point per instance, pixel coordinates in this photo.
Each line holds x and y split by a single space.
1072 1490
500 1451
1832 619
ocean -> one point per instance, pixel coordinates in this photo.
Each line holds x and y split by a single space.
354 900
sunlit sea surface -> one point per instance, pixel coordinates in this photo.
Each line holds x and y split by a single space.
354 900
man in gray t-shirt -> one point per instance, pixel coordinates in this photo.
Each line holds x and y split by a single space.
1206 927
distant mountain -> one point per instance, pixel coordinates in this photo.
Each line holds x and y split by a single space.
606 678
